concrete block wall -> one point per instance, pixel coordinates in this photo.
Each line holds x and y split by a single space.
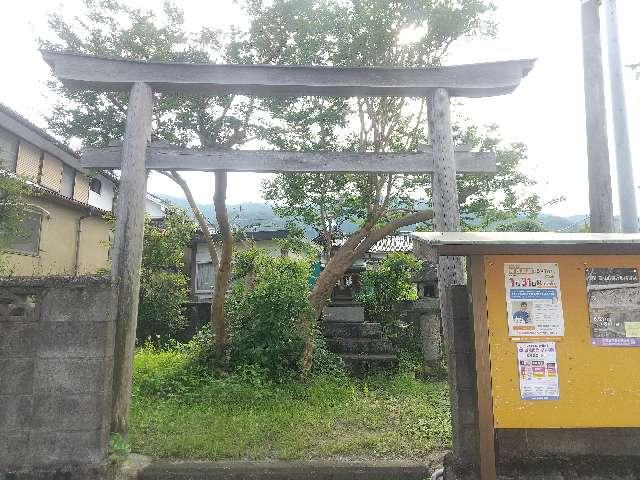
56 358
463 462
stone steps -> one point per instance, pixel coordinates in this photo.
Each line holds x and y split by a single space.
282 470
359 345
351 330
343 313
360 364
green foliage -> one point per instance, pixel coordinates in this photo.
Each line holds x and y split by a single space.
113 29
296 243
524 225
181 411
119 448
387 284
269 312
500 197
14 193
163 283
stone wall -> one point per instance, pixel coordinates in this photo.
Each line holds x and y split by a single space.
56 357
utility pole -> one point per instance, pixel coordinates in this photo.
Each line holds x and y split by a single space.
600 203
626 186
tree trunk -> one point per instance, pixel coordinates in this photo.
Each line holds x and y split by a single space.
202 222
357 244
127 249
224 271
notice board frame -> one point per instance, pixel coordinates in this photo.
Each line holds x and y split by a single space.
476 246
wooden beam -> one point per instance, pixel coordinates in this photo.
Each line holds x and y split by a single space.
112 74
164 158
127 249
483 368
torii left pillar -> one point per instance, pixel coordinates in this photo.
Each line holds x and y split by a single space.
127 248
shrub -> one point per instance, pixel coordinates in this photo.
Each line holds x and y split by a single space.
163 283
161 310
387 284
384 287
269 313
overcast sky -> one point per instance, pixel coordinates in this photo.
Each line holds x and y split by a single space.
546 112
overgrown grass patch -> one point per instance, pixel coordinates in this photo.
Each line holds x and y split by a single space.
182 411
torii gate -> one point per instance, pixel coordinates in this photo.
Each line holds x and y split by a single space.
141 79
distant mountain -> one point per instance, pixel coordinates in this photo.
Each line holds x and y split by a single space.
260 216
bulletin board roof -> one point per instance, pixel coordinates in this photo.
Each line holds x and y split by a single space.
426 244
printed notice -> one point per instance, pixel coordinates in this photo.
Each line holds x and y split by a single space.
614 306
538 371
534 303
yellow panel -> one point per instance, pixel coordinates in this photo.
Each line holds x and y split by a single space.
51 172
599 386
81 188
28 163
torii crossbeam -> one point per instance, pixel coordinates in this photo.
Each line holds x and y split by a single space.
141 79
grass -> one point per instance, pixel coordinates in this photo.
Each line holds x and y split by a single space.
179 413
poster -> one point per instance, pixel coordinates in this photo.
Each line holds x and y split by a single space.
534 302
538 371
614 306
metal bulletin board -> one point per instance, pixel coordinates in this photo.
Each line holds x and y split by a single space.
598 381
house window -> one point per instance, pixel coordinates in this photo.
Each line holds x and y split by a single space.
205 277
8 150
27 240
68 181
95 185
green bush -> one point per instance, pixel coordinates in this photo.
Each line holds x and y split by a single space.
383 288
387 284
269 313
163 296
163 283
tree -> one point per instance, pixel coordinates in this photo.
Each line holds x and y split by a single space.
355 33
14 193
110 28
163 283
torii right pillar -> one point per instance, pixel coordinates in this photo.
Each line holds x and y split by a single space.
444 195
444 198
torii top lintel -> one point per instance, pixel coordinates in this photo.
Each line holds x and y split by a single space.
112 74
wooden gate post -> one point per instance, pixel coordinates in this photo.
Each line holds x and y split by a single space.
444 193
127 248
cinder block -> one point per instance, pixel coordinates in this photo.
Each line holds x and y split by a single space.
75 339
19 305
615 441
16 376
465 370
560 441
511 443
71 376
68 304
14 450
15 412
17 339
59 448
69 412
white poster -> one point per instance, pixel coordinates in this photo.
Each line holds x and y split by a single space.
538 371
534 303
